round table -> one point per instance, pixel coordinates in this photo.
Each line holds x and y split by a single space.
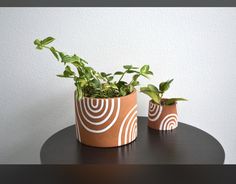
184 145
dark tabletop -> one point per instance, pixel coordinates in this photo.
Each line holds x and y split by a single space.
184 145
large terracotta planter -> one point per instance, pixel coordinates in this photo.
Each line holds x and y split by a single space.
162 117
106 122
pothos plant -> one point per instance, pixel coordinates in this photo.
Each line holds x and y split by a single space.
156 93
89 82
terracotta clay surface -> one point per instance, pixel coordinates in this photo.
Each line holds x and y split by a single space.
106 122
162 117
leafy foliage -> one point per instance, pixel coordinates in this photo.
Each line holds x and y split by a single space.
89 82
156 93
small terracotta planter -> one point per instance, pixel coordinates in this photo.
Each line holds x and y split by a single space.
162 117
106 122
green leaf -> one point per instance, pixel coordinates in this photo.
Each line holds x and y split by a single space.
121 83
76 64
79 93
39 47
110 78
135 83
103 74
154 96
61 54
123 91
47 40
95 83
127 67
74 58
66 59
172 101
118 73
132 71
135 77
144 69
82 60
54 52
153 88
164 86
82 82
61 75
131 88
150 72
37 42
68 72
113 86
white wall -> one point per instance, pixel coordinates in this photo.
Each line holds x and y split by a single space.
195 46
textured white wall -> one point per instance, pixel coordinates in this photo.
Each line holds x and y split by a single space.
195 46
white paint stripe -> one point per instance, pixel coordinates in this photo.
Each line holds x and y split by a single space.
97 116
136 131
172 116
131 130
107 127
97 103
152 113
128 125
151 106
93 117
154 108
171 125
156 115
123 123
165 124
95 110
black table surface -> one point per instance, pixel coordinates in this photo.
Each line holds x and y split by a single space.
184 145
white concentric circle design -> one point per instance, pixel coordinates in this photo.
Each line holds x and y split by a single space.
131 115
133 119
155 111
96 108
133 134
169 122
92 103
86 113
86 102
106 118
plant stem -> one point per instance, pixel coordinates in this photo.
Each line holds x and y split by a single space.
122 76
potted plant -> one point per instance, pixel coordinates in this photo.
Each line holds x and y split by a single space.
105 104
162 112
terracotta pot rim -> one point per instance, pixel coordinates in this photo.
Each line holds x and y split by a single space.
135 91
162 105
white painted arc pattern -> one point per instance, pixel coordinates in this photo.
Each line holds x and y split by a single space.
167 119
155 115
152 107
92 104
132 119
108 126
95 109
123 123
170 125
95 117
135 131
132 128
